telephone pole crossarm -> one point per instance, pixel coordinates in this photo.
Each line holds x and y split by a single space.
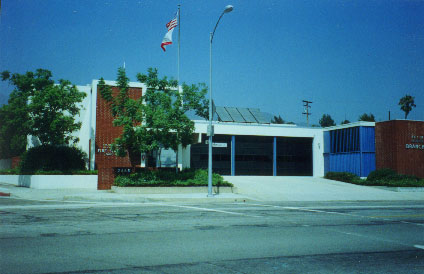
306 110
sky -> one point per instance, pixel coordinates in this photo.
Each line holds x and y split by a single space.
347 57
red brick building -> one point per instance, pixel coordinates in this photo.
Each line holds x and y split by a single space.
400 146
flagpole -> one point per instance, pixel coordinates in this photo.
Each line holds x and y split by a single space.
178 62
178 73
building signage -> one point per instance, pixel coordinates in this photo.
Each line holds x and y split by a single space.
106 149
417 142
122 170
216 144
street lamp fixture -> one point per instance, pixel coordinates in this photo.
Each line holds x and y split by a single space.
227 9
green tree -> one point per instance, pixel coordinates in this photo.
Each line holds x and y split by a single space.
367 117
277 120
326 121
38 107
14 125
406 104
156 120
345 122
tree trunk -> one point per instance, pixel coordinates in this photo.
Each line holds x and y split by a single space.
158 157
176 161
135 159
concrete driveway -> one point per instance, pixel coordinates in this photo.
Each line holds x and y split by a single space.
285 188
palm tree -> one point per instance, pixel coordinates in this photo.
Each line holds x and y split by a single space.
406 104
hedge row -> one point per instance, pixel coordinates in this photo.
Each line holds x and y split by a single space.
381 177
187 177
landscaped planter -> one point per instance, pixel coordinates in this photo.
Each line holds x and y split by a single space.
172 190
51 181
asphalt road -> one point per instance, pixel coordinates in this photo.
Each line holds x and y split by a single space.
314 237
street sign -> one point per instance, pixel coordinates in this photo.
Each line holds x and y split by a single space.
216 144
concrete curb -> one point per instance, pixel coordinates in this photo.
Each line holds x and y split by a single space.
94 198
176 198
401 189
172 190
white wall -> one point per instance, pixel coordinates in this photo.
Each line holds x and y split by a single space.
52 181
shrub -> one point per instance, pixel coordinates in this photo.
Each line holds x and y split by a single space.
188 177
52 158
382 177
386 174
343 177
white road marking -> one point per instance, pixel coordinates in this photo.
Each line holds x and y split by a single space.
345 232
368 237
209 209
405 222
309 209
116 204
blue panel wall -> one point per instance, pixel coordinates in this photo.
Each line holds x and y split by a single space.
350 150
326 163
368 163
345 162
233 155
367 139
327 142
274 158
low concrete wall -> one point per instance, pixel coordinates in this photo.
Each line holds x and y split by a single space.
51 181
171 190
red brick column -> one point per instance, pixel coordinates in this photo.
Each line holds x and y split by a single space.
400 146
106 133
15 161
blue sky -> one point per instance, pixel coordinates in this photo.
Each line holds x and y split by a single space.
347 57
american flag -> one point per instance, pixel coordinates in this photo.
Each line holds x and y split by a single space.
167 40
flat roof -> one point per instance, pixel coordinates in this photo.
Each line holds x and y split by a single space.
349 125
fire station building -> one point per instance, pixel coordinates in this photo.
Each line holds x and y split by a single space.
246 143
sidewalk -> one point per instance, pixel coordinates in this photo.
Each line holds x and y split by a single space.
88 195
250 188
296 188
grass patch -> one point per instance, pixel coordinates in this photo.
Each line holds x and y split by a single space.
382 177
166 178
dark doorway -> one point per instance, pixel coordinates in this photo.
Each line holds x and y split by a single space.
294 156
254 155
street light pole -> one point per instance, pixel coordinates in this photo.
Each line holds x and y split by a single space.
210 131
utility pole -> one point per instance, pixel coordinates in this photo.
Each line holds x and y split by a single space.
306 110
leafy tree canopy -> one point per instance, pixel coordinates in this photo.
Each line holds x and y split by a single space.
326 121
156 120
406 104
367 117
345 122
277 120
39 107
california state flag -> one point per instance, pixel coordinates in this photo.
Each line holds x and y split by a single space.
167 40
